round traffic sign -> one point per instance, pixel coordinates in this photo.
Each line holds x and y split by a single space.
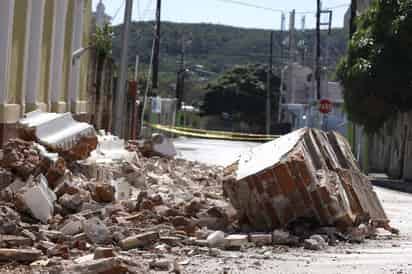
325 106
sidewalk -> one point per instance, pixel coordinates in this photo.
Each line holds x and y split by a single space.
383 180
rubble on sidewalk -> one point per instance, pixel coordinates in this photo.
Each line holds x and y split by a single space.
121 210
305 174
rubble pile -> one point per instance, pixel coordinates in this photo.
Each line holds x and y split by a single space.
75 214
93 215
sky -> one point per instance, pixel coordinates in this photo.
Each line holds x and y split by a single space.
229 12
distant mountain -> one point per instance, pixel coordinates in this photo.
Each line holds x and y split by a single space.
218 47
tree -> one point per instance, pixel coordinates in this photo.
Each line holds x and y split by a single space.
376 73
102 44
241 92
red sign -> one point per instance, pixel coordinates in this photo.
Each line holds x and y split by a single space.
325 106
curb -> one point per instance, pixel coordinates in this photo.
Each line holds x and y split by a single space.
393 184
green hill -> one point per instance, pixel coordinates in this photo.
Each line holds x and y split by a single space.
218 47
212 49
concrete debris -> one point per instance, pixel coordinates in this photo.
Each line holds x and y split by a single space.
19 255
37 198
282 237
315 242
305 174
216 239
236 241
124 205
59 132
96 231
158 145
141 240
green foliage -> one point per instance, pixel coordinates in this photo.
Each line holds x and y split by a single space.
241 92
219 47
376 73
102 40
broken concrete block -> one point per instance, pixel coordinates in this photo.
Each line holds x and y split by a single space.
59 132
96 231
38 199
315 242
72 227
282 237
236 241
103 252
8 220
73 203
15 241
162 146
161 265
19 255
6 178
261 239
140 241
105 265
305 174
216 239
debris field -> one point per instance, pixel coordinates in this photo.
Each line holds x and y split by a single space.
77 201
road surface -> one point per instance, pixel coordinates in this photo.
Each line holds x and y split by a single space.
387 254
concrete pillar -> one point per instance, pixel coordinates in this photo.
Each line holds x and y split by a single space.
6 30
57 55
33 63
77 41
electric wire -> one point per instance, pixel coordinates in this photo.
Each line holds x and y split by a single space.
118 10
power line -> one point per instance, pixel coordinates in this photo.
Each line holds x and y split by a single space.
251 5
118 10
245 4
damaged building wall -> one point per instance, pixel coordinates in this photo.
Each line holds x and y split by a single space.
305 174
36 71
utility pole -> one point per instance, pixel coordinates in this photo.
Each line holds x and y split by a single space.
292 49
318 53
282 30
120 91
155 65
136 69
180 82
268 91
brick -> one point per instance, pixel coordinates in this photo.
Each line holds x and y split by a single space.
325 195
284 179
288 214
304 193
320 208
304 172
261 239
272 213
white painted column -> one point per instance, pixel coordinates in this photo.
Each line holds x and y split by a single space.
77 41
6 31
34 44
57 54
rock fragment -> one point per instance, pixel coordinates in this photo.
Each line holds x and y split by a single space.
140 240
37 198
19 255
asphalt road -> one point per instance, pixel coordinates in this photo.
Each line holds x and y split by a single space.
387 254
212 152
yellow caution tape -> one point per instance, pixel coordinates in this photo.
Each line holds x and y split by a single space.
220 135
225 132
